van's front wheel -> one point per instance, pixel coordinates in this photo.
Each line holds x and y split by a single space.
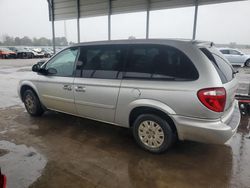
32 103
153 133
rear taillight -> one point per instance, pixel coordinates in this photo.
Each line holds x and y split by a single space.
213 98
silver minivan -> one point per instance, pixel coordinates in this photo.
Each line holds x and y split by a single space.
164 90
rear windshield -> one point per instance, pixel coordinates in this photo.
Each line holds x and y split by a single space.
223 68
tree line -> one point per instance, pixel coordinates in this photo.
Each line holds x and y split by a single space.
26 41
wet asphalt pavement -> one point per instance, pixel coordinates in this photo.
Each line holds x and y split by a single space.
58 150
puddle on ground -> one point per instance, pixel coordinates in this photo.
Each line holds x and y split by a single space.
3 152
247 71
28 69
2 72
21 164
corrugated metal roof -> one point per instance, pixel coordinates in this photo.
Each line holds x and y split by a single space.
67 9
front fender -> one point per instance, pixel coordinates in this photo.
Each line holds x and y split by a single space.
29 84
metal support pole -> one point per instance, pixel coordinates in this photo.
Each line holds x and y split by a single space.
195 18
52 19
53 35
147 19
109 20
78 21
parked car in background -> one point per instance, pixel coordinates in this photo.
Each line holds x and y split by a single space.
6 53
47 52
163 90
21 52
36 52
39 52
58 49
236 57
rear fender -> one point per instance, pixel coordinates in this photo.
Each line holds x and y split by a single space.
152 104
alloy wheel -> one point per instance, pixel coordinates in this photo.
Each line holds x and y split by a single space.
151 134
30 103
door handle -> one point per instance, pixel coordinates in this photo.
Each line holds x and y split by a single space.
80 89
67 87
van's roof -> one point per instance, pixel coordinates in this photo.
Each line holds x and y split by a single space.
145 41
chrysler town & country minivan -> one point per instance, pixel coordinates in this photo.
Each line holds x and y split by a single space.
164 90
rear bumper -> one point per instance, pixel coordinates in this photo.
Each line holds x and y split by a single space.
208 131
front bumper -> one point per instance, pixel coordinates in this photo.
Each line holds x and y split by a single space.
208 131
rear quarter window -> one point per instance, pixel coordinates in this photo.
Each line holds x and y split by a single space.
224 69
159 62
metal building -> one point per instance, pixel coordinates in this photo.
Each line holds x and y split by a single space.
76 9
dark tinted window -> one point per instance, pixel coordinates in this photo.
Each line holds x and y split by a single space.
225 51
100 62
159 62
223 68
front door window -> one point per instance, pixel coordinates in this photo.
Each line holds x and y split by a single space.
63 62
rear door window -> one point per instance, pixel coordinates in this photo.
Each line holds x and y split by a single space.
156 62
103 62
224 69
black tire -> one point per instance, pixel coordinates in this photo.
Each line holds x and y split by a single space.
169 135
247 64
32 103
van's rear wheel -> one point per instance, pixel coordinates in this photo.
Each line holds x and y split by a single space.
32 103
153 133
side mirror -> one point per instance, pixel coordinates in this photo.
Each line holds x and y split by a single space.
36 68
51 71
40 63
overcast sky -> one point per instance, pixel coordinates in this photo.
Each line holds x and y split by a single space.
221 23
